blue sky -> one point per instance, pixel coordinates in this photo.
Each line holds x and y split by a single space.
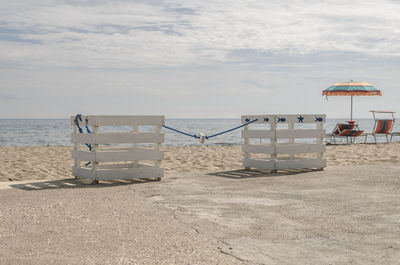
202 59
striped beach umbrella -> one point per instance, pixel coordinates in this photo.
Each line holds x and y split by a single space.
351 89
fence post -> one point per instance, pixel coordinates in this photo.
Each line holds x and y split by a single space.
246 142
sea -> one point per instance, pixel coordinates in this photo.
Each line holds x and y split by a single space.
57 132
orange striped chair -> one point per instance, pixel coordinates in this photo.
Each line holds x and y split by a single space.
350 131
382 127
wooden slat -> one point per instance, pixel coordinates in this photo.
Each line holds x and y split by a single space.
121 120
123 165
122 138
81 155
261 119
130 173
129 156
80 172
118 138
285 119
300 133
299 118
258 163
301 163
258 148
259 134
82 138
299 148
111 156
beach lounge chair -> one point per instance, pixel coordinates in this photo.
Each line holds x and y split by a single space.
348 130
382 126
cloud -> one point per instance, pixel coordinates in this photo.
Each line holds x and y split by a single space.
137 34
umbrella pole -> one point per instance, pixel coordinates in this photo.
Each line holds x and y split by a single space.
351 110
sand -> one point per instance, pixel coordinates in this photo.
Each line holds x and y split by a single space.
54 162
205 211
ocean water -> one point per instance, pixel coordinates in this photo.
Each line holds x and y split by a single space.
37 132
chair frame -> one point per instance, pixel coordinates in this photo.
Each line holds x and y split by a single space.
352 138
376 124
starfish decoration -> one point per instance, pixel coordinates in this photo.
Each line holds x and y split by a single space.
301 118
266 119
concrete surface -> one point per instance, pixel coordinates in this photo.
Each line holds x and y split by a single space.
343 215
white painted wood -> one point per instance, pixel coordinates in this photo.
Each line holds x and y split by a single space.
292 152
246 153
258 148
300 133
123 165
321 142
258 134
111 156
258 163
95 148
121 120
300 163
130 173
76 148
122 138
291 140
81 172
116 162
118 138
300 148
82 138
274 142
158 148
261 119
300 118
285 119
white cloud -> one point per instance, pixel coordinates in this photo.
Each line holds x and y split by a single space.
193 58
128 34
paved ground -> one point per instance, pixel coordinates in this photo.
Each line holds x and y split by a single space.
338 216
58 222
341 215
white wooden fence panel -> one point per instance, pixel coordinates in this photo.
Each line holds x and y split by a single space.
300 163
83 155
123 165
261 119
122 138
129 173
258 163
300 148
284 119
118 138
113 156
86 173
82 138
303 133
116 162
259 134
295 151
258 148
124 120
135 155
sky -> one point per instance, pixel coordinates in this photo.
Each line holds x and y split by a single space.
195 59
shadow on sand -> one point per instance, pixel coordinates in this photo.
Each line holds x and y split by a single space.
243 174
73 183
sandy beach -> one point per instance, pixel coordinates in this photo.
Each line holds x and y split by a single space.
206 210
55 162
